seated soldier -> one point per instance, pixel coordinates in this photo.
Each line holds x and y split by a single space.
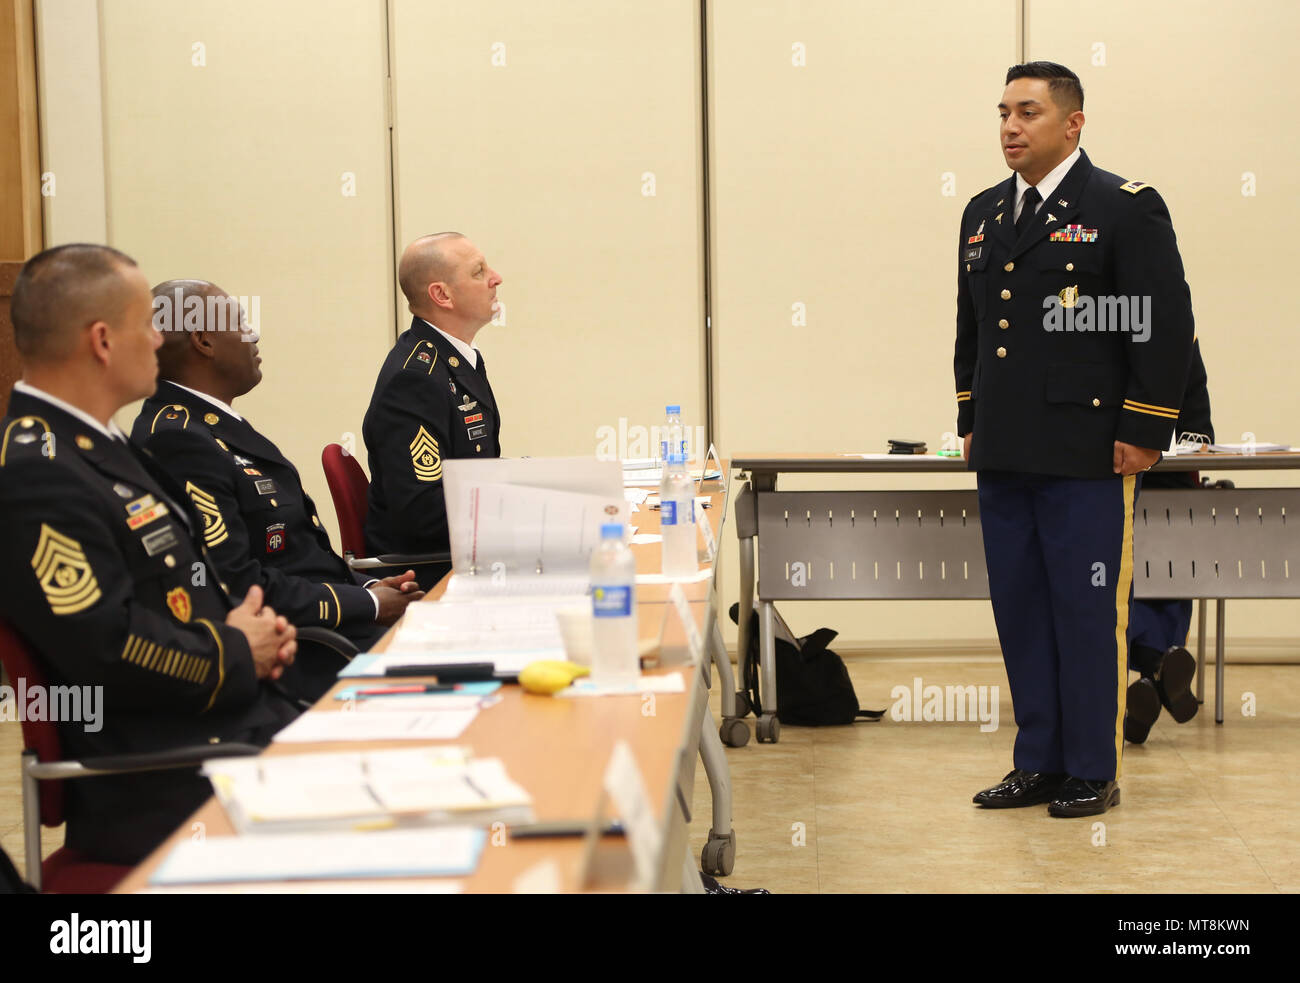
104 576
432 400
1158 628
260 526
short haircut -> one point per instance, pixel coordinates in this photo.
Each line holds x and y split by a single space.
60 291
175 348
1067 92
424 262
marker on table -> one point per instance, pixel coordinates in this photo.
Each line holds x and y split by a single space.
410 688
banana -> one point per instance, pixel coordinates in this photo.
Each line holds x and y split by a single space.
550 676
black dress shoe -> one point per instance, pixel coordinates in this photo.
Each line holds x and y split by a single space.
1021 788
1141 708
1174 683
1081 797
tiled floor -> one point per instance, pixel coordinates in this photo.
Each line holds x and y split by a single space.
886 806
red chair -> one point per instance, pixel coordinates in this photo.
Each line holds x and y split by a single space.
350 490
68 871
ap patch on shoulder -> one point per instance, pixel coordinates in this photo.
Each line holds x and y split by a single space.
1133 187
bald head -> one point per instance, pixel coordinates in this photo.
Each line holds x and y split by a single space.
63 290
427 260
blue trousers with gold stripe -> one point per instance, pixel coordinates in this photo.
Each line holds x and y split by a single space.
1060 563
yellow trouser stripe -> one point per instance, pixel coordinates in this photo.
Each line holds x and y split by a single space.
1122 588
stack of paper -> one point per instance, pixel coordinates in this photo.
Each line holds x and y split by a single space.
449 852
434 786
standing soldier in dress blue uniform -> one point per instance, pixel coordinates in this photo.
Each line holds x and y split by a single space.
1074 338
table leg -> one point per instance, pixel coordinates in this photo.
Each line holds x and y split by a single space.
1200 649
1220 614
719 854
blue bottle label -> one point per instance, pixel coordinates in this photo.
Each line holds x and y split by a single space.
611 602
668 514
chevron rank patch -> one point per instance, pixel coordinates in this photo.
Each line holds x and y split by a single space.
1133 187
64 573
214 527
425 457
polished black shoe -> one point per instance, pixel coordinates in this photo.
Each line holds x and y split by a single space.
1080 797
1141 708
1021 788
1174 683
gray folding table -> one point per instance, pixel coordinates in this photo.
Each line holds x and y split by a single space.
1215 543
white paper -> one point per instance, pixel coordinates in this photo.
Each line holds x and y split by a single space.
646 538
669 683
635 495
400 725
687 618
521 514
627 789
397 853
704 573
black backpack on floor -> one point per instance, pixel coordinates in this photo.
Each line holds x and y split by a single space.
813 688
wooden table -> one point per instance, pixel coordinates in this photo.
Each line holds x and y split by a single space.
558 749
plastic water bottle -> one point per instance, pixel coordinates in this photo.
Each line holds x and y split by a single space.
677 519
672 441
614 658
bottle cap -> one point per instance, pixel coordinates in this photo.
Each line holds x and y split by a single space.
673 410
611 530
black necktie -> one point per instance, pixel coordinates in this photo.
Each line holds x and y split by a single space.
482 366
1032 198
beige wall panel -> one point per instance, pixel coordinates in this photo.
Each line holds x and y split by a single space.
838 185
529 127
1195 97
71 120
238 170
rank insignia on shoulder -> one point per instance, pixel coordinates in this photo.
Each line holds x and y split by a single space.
26 435
1133 187
425 456
173 415
214 527
178 602
211 419
425 354
64 573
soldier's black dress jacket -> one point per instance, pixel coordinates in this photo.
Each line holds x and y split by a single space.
1051 401
428 405
260 525
105 580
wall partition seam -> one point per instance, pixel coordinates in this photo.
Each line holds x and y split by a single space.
390 112
1022 31
706 215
